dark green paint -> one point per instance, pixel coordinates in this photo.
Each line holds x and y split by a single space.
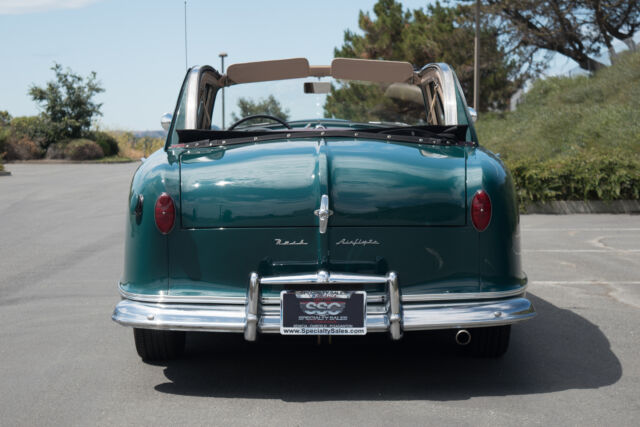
279 184
452 257
233 203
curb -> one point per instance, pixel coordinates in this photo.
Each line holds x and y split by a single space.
558 207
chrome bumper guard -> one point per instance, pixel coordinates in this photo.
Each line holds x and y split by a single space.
391 316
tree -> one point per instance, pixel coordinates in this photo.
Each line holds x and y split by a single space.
5 118
435 34
269 105
67 102
578 29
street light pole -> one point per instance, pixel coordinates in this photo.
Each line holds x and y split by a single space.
222 55
476 59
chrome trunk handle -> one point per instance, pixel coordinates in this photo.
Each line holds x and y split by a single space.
323 213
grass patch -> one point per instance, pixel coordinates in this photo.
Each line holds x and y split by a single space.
133 147
116 159
573 138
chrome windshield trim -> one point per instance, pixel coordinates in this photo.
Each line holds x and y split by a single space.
191 105
444 74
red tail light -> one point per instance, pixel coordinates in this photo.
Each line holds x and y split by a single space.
481 210
165 213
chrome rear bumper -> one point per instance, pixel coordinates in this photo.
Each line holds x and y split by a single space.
393 315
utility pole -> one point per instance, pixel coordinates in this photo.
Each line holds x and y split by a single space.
186 63
222 55
476 61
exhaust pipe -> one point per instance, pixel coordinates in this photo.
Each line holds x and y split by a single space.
463 337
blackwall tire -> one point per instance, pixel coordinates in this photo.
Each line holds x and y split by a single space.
153 345
490 342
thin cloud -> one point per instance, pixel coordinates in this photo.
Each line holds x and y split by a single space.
20 7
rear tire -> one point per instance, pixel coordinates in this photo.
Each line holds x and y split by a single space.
490 341
153 345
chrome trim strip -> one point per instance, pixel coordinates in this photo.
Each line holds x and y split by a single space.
462 296
458 296
187 299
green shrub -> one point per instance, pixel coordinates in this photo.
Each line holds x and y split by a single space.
83 149
57 150
592 175
21 148
106 141
5 118
5 133
35 128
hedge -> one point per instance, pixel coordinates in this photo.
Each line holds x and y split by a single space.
83 149
612 175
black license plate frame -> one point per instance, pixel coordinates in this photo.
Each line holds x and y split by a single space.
323 312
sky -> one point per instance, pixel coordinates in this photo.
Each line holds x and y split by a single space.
137 47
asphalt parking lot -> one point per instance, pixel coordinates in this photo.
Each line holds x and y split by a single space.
64 362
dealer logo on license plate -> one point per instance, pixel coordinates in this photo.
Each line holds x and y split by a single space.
323 313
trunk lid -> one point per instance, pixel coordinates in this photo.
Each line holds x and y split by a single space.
280 184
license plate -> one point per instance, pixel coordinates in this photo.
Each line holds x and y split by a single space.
323 313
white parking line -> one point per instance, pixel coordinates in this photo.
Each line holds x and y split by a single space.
578 229
584 282
595 251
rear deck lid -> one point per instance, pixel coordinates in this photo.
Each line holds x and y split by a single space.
280 184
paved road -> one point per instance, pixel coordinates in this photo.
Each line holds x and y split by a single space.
64 362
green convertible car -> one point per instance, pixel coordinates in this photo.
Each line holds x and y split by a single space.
393 221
